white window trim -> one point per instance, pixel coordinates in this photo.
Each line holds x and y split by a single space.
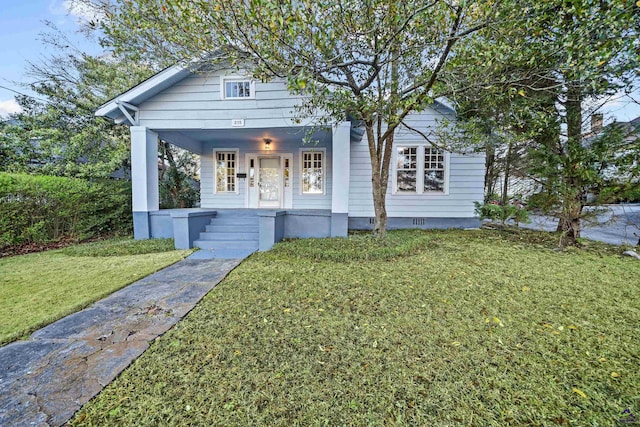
301 170
223 87
215 169
420 171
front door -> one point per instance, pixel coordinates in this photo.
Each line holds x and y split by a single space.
269 183
269 177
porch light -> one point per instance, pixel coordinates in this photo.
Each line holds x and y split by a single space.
267 143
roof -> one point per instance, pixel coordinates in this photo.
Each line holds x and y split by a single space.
632 126
145 90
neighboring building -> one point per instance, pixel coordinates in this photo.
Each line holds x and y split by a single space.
256 169
629 134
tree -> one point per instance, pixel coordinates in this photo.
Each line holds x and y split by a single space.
590 53
567 54
373 60
57 132
69 86
176 179
17 150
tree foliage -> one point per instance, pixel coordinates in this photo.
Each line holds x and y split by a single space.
565 56
522 71
177 186
57 131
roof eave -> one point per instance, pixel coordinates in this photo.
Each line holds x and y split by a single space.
136 94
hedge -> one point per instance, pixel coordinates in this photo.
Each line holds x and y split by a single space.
40 209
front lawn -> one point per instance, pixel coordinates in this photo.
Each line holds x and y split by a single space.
37 289
480 328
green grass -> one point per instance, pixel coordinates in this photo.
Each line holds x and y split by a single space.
357 247
40 288
480 328
119 247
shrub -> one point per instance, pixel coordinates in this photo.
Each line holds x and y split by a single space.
495 211
39 209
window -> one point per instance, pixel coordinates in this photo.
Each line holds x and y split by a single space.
406 170
252 173
225 172
420 170
237 88
433 170
312 172
286 172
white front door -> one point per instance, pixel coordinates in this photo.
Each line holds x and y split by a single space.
269 178
269 183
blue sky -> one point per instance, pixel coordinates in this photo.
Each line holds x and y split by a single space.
22 22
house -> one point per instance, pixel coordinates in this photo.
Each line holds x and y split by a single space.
261 182
624 139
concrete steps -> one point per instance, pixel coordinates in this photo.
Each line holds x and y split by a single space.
225 244
231 228
231 233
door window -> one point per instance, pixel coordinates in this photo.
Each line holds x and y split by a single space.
269 184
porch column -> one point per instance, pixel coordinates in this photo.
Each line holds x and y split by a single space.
341 163
144 179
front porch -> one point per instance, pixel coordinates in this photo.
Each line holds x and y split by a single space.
269 180
239 231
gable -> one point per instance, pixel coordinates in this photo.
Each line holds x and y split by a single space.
198 101
177 98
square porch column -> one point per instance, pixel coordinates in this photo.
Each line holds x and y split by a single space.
341 164
144 179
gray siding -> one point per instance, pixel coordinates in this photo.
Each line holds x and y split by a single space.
466 181
209 199
194 103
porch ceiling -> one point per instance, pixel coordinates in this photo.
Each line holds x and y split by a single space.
194 139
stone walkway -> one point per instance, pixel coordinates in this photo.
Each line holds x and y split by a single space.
47 378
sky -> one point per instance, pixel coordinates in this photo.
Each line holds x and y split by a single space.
22 22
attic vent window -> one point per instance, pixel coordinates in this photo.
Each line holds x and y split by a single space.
237 88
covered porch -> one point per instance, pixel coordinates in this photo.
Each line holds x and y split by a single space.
267 180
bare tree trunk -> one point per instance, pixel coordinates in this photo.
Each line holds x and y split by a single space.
505 185
380 150
378 185
490 172
507 172
572 211
572 183
562 224
379 206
